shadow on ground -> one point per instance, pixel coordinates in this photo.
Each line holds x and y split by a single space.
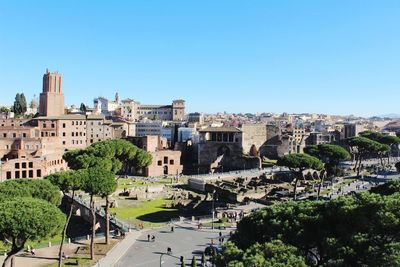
159 216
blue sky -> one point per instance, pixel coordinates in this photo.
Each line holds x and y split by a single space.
326 56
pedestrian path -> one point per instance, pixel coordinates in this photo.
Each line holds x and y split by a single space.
42 257
119 250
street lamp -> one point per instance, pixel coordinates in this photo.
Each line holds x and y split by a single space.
213 210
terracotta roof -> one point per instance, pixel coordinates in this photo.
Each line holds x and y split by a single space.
63 117
220 129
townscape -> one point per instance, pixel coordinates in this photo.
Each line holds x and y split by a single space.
199 133
127 171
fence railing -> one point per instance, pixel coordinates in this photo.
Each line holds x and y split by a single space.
123 226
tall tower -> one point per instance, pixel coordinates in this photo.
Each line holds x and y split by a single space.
178 110
52 97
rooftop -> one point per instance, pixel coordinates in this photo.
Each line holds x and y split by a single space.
220 129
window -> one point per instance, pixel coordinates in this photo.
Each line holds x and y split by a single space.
63 125
72 133
63 142
17 165
30 164
171 162
4 135
24 165
30 174
72 122
23 174
38 173
8 175
53 125
165 160
16 174
24 135
159 163
44 125
63 134
14 135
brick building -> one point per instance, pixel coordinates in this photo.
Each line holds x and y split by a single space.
165 162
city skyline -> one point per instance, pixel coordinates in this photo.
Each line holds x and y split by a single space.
334 58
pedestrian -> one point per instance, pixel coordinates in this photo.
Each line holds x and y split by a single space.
148 238
169 251
153 238
222 240
172 228
220 234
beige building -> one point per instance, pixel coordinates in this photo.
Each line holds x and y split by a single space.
134 111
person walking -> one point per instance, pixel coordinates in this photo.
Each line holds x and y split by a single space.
148 238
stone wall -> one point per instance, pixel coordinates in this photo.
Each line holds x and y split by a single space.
253 134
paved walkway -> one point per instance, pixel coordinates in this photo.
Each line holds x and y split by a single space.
119 249
186 241
43 257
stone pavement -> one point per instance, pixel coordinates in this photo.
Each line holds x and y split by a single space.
186 241
119 249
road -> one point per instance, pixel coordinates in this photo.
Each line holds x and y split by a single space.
186 241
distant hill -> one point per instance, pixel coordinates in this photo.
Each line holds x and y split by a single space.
390 116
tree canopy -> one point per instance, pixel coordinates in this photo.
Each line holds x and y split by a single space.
68 181
23 219
35 188
83 107
269 254
300 162
330 154
388 188
381 138
111 155
348 231
363 147
297 163
20 105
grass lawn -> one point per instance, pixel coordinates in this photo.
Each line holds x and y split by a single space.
150 213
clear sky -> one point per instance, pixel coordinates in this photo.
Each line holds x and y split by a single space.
325 56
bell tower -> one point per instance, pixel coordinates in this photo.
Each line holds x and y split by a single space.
52 97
